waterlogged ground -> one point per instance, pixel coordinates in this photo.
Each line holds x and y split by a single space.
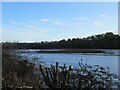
107 59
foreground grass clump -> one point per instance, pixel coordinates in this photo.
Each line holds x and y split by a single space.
84 77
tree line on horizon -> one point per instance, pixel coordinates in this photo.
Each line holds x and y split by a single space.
100 41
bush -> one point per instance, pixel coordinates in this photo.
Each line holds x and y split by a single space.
17 73
84 77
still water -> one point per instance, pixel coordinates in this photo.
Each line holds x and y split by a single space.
108 59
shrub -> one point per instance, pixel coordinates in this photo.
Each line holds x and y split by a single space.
17 73
84 77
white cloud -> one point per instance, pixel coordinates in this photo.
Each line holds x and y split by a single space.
85 19
16 23
104 15
0 29
57 22
44 20
17 35
24 26
35 27
98 23
23 34
79 18
28 28
12 22
115 31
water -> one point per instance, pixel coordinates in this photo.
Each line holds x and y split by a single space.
108 59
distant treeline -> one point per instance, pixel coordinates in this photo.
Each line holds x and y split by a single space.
100 41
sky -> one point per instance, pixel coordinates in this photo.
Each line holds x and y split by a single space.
50 21
60 0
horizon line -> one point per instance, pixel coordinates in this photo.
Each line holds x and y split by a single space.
55 40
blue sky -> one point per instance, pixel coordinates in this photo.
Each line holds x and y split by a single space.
49 21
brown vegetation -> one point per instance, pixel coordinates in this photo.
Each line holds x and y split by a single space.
17 73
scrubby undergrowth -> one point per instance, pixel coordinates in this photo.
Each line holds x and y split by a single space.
19 73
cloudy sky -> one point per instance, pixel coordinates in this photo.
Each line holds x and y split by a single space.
49 21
